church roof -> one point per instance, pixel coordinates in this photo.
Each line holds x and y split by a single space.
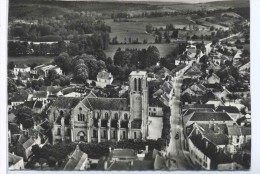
106 103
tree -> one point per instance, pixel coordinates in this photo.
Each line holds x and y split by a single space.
64 62
11 65
51 161
12 87
24 116
36 150
148 28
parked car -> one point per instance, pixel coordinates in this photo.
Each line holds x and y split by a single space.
177 136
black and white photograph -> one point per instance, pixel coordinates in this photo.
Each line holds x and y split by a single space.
109 85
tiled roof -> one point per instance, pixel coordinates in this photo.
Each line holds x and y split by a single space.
76 160
189 111
238 130
13 159
14 128
66 102
11 117
155 102
167 87
123 153
178 68
191 106
29 104
106 104
40 94
21 66
210 116
38 104
228 109
28 143
136 124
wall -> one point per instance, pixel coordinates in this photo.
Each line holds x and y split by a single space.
202 160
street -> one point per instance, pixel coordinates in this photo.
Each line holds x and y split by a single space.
176 148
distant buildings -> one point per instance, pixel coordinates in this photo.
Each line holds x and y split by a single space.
104 78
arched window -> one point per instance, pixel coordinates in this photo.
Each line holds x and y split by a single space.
106 116
78 117
139 84
125 116
135 84
83 117
116 116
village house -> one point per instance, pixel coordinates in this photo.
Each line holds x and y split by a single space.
21 68
44 69
206 145
15 162
104 78
238 137
244 69
193 72
77 160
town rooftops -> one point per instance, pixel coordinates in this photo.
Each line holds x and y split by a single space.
14 128
11 117
25 141
138 73
66 102
76 159
106 103
29 104
124 153
155 102
228 109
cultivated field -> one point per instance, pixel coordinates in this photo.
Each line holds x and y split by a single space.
30 59
164 49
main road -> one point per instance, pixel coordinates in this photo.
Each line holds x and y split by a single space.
180 158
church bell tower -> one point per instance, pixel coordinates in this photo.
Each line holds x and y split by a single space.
139 99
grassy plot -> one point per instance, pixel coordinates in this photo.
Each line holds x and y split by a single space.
164 49
137 29
31 59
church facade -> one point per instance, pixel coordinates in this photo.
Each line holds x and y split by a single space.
95 119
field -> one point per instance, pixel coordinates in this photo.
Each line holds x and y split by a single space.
31 59
125 30
164 49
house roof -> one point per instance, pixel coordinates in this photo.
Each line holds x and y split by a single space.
209 116
106 103
13 159
19 96
76 159
136 124
25 141
155 102
190 106
22 66
66 102
213 75
239 130
215 133
11 117
54 89
38 104
167 87
14 128
123 153
206 117
40 94
229 109
29 104
104 75
189 111
193 71
178 68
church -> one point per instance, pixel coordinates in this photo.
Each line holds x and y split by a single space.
95 119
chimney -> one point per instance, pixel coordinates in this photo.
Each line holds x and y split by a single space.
105 165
